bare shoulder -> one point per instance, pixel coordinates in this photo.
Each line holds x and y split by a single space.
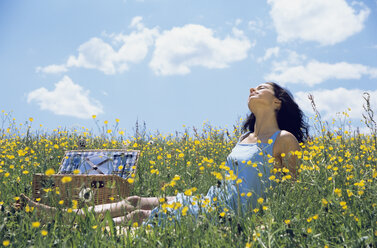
286 136
286 142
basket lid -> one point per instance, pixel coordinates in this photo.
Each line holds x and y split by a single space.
107 162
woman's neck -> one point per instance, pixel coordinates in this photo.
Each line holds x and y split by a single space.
265 123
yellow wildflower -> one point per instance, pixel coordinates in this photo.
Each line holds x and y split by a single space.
74 204
184 211
188 192
36 224
66 179
50 172
338 192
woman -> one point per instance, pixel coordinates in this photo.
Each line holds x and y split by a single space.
274 129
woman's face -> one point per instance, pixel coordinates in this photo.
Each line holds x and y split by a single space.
262 94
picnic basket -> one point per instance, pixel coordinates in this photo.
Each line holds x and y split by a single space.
88 177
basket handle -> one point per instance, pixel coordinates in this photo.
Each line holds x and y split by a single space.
97 184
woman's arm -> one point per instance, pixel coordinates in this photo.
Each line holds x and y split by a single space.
285 146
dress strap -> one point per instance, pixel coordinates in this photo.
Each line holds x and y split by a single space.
274 136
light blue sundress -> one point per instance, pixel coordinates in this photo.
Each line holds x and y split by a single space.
231 195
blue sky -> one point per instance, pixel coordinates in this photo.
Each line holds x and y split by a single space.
172 63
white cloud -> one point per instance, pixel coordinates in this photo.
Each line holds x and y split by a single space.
315 72
257 26
176 50
179 49
137 22
67 99
323 21
95 54
293 58
331 102
273 51
100 55
52 69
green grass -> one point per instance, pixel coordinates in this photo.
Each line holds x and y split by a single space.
333 202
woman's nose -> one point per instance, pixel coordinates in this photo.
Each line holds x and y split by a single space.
252 90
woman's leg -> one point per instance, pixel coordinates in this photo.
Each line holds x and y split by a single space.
115 209
135 216
146 203
38 206
136 206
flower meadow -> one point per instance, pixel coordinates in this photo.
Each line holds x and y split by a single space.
332 203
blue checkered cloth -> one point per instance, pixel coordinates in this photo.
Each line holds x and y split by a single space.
121 163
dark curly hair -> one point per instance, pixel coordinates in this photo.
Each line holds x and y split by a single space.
289 116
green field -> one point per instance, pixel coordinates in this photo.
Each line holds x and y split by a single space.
332 204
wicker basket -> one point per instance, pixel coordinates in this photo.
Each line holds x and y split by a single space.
92 186
90 189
